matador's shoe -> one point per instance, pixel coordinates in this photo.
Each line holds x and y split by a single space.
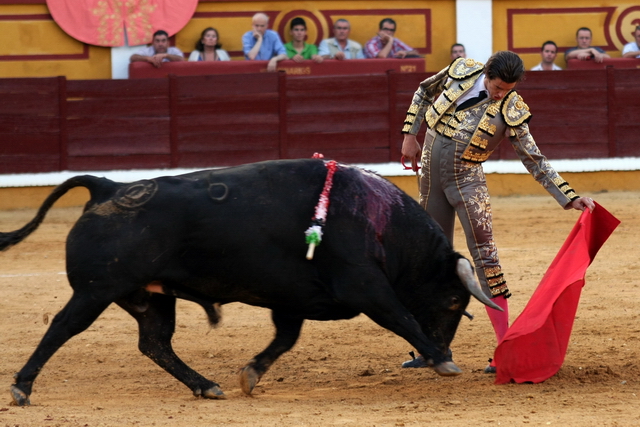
490 369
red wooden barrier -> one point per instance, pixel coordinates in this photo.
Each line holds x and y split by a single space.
29 125
624 117
117 124
569 113
344 118
224 120
202 121
143 70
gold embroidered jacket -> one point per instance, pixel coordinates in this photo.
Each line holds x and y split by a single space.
481 127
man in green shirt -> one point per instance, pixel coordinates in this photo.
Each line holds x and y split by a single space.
297 48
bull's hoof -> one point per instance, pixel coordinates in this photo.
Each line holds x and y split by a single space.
214 393
20 398
248 379
447 369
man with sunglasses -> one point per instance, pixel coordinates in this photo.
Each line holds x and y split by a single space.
340 47
385 45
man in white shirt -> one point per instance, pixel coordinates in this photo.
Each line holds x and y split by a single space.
548 53
158 52
340 47
632 50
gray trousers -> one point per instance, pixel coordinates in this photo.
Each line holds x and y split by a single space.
450 186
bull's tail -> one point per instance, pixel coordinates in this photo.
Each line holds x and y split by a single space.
95 185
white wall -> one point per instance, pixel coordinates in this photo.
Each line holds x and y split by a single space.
474 28
120 61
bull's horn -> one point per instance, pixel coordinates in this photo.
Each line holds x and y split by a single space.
465 273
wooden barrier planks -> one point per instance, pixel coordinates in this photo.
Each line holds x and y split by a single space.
117 124
569 111
343 117
221 120
29 125
625 114
227 119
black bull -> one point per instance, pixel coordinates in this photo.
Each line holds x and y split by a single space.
238 234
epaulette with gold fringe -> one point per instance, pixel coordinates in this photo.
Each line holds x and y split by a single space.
514 110
463 68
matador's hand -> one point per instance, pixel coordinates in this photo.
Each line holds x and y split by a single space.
411 150
583 203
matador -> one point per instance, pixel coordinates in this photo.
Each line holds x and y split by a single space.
469 108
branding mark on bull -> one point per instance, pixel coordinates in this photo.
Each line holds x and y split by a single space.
135 195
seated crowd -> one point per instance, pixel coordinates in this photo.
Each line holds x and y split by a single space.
262 43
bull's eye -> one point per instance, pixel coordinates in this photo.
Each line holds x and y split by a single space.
454 304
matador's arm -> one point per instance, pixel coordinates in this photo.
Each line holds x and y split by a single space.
428 90
516 114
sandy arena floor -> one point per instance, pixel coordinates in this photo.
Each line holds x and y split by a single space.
344 373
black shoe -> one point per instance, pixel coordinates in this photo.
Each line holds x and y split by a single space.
490 369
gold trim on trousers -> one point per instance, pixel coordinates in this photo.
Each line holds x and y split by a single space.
450 186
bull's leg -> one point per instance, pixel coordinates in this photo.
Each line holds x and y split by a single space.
376 299
211 308
79 313
156 327
287 333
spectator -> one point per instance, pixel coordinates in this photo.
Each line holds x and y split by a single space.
340 47
548 53
208 48
632 50
158 52
297 48
584 50
385 45
263 44
457 51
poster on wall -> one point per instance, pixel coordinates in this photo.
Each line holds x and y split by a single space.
104 22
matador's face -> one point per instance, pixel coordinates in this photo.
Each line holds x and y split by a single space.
497 88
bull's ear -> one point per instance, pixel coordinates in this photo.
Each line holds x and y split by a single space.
465 273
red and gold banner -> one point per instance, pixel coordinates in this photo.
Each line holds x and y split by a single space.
103 22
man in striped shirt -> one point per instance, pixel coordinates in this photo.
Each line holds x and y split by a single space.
385 45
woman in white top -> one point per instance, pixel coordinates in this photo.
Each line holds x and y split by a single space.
208 47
